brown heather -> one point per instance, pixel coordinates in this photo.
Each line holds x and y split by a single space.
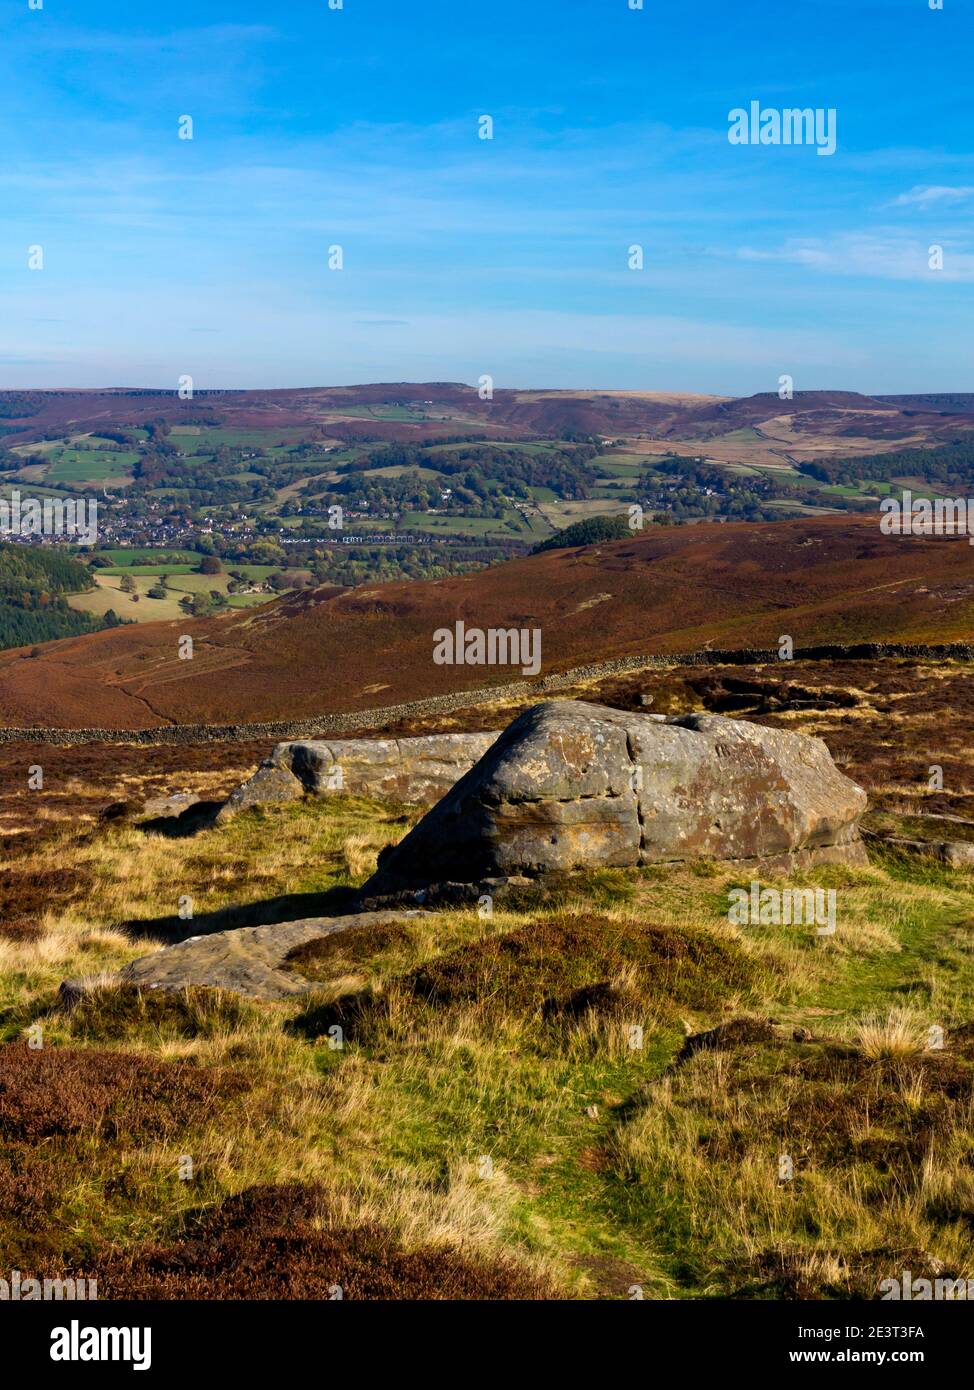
60 1092
282 1243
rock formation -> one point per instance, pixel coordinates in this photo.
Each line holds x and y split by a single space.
247 960
571 785
406 769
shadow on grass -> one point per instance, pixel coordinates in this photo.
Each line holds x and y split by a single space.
200 816
291 907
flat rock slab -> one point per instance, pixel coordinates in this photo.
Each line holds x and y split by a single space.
571 785
247 960
959 854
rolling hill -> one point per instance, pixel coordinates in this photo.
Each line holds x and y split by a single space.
429 410
834 579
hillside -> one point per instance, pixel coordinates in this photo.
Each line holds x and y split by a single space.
351 486
665 590
396 410
33 583
414 410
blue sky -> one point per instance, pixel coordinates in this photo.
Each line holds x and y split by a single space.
359 127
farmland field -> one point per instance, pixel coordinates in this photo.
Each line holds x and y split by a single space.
196 440
181 580
89 466
466 525
384 412
80 459
150 556
562 514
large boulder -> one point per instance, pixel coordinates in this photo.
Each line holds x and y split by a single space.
571 785
404 769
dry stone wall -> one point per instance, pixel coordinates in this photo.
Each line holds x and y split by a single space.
353 721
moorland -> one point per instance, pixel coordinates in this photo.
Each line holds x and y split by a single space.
488 1129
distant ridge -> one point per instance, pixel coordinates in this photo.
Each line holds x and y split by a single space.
456 408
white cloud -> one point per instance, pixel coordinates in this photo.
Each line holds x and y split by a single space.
872 255
925 195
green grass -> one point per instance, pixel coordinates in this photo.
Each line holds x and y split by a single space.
205 442
745 435
383 412
181 580
245 600
843 490
491 1088
146 569
149 555
80 465
620 465
462 525
522 446
397 471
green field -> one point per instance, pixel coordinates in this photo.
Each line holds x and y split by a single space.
397 470
383 412
746 435
562 514
31 489
182 580
523 447
207 440
149 555
464 526
620 465
89 465
742 470
614 490
150 569
246 600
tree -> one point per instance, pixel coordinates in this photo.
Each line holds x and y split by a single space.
589 532
210 564
127 584
197 605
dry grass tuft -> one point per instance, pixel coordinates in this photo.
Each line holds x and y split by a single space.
898 1034
359 853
